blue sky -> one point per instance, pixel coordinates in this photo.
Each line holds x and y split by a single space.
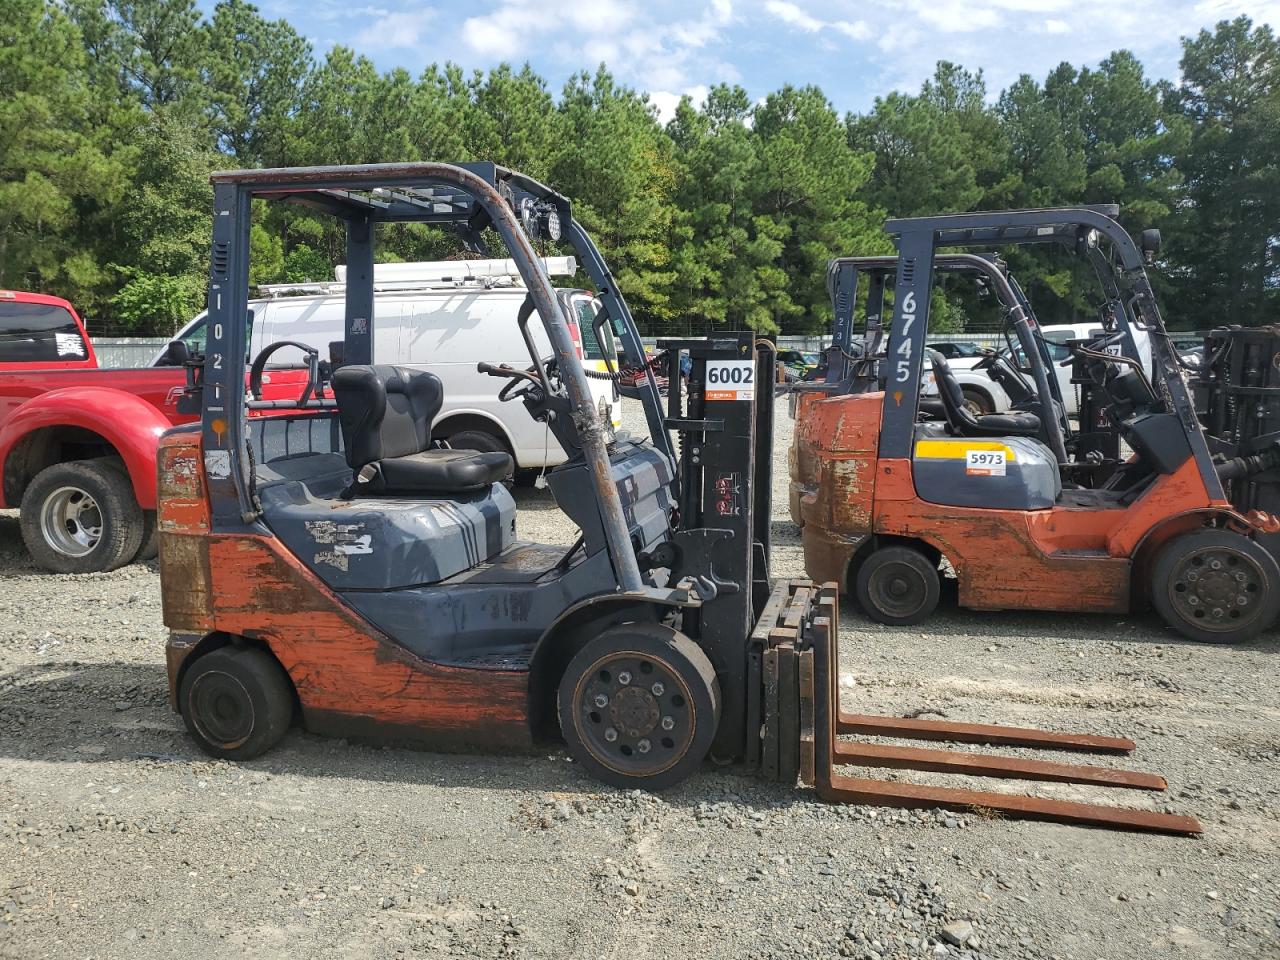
853 49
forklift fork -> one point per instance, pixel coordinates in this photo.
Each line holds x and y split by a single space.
797 642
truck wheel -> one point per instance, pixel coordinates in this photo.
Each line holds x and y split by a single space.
150 547
897 585
237 702
477 440
977 401
81 517
1215 586
639 706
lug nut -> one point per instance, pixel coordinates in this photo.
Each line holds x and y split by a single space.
1193 600
1215 564
624 677
1240 576
1242 601
611 735
668 723
658 689
643 746
601 700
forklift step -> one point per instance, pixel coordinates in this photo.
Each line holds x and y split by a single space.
801 699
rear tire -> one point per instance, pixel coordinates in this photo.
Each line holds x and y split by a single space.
237 702
1215 586
150 547
81 517
639 706
897 586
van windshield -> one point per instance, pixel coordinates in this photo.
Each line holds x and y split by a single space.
585 309
37 332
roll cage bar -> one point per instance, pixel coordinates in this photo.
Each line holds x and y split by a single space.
1119 262
842 284
467 198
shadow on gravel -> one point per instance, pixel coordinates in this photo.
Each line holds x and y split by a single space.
531 498
13 552
118 712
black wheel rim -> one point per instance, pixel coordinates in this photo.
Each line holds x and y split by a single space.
1218 589
221 709
898 590
634 713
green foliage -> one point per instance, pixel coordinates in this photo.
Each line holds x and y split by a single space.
156 302
304 265
114 112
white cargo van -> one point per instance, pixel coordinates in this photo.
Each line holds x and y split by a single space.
444 317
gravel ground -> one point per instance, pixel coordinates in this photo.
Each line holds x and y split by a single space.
119 839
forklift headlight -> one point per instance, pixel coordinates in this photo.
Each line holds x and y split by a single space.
551 224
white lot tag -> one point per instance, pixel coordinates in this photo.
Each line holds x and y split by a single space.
984 463
731 379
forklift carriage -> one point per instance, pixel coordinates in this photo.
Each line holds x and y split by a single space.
329 562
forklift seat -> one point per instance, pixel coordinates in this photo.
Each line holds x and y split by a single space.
961 421
386 413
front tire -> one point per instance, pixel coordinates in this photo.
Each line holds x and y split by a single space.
81 517
237 702
1215 586
897 586
639 706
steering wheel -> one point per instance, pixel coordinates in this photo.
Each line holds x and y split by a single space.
260 364
522 381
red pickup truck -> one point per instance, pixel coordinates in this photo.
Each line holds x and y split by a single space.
78 443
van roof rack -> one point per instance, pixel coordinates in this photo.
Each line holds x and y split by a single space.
427 275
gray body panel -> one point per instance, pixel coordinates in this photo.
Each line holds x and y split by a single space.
486 614
379 543
643 477
445 577
1030 481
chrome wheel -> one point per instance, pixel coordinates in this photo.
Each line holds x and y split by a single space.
71 521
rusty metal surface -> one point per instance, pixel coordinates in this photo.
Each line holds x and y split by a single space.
982 765
913 796
819 642
917 729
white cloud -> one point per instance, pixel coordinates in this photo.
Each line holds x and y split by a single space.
393 31
666 102
793 16
642 45
854 49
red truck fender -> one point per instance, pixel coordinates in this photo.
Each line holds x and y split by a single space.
127 423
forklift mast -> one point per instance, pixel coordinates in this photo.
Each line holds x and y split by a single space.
725 503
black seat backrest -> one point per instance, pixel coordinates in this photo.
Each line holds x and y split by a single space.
958 415
386 411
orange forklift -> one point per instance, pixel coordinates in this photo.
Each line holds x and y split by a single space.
328 564
888 493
